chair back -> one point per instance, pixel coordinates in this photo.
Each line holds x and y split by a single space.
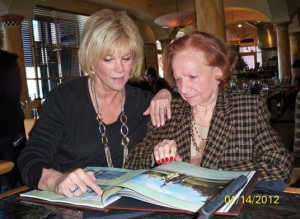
28 124
6 166
293 186
297 127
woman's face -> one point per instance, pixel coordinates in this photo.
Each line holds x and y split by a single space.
196 81
113 71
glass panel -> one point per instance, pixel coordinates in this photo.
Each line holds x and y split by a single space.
51 42
69 62
250 60
67 32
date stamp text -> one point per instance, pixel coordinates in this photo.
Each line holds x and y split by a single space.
253 199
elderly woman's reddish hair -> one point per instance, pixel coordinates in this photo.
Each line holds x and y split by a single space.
216 51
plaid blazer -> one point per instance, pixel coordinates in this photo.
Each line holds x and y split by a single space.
240 138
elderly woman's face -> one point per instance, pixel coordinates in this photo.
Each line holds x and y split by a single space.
114 70
196 81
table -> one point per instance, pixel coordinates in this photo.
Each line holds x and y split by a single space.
288 207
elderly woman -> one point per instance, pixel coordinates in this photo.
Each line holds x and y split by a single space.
210 127
94 120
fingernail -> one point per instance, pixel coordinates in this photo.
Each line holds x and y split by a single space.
167 159
162 160
171 158
158 161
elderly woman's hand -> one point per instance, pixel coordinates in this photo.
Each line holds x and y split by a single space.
160 108
165 151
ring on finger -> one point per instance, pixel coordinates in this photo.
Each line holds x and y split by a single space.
163 108
75 189
158 146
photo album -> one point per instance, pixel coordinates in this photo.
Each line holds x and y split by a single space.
171 187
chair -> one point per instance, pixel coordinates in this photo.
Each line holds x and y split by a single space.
5 167
297 127
294 185
293 190
28 124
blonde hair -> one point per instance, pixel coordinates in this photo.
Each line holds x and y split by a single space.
107 32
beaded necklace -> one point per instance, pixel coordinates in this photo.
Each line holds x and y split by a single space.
193 127
102 129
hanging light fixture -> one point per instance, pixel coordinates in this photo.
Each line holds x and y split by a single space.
237 31
176 20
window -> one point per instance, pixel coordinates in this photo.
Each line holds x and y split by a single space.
252 56
51 42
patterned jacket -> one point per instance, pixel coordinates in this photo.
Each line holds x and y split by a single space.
240 138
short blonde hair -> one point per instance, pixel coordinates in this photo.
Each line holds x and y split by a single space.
107 32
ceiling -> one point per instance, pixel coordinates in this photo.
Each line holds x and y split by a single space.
245 12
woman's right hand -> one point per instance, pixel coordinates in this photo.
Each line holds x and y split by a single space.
166 151
160 108
70 184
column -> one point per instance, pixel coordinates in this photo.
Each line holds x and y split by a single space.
295 55
163 44
283 51
295 46
211 18
13 43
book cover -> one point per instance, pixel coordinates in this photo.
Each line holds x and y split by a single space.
175 186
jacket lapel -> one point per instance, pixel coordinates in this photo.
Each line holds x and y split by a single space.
219 132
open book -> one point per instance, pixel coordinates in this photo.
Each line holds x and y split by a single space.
174 187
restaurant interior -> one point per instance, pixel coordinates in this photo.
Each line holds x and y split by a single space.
265 34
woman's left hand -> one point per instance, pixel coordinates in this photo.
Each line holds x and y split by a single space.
160 108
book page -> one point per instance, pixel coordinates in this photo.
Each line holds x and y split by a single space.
109 176
90 198
176 190
106 177
235 200
176 185
192 170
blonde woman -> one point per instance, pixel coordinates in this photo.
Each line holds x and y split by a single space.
94 120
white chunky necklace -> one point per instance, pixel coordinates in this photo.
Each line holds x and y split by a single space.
102 129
